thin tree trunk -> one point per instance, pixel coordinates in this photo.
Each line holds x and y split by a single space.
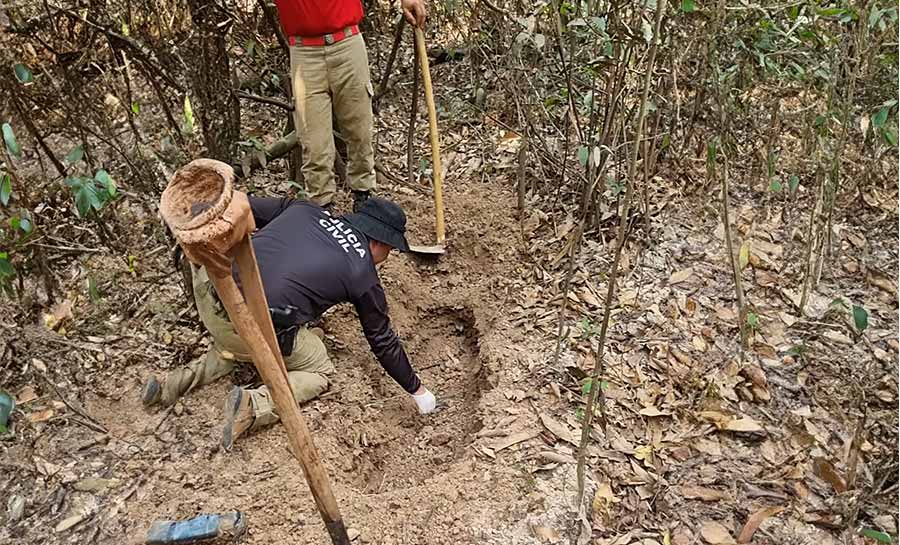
595 388
219 110
735 265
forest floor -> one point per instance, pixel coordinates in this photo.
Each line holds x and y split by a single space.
699 441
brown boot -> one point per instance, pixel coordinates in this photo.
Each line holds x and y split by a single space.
238 416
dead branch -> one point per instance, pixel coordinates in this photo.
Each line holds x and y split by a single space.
284 105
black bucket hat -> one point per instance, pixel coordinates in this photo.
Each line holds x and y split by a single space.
382 220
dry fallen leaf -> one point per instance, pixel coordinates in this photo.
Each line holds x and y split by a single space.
58 314
755 520
703 493
719 419
744 255
546 534
726 314
715 534
680 276
25 395
699 344
603 498
745 424
558 429
755 374
652 411
512 439
707 446
827 472
41 416
588 297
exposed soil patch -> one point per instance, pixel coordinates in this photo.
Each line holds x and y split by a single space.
394 449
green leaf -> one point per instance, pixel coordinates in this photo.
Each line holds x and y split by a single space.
881 116
890 136
752 320
187 126
104 179
75 154
93 292
831 12
711 153
876 535
135 108
688 6
838 303
5 189
15 222
793 183
86 198
6 268
860 318
583 154
26 226
775 185
874 16
23 74
9 137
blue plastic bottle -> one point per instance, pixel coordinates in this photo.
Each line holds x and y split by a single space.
201 528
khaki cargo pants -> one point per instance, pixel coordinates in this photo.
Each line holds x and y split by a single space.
325 78
307 366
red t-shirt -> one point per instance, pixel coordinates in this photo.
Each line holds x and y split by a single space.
316 17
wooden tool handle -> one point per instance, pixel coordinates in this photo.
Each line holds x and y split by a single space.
254 324
433 132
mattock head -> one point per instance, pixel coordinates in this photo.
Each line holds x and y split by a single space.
205 214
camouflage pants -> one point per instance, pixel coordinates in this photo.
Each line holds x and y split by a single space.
307 366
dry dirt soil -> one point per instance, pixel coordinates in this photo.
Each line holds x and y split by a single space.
398 476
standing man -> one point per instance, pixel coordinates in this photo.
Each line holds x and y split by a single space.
330 73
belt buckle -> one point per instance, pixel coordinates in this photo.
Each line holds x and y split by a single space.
329 39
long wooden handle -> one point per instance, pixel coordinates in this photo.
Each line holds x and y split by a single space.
259 335
435 141
255 296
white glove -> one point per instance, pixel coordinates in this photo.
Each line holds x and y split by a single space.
425 401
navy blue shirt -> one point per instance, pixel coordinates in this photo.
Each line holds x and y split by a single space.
311 261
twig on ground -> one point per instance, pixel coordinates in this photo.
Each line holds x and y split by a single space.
77 410
284 105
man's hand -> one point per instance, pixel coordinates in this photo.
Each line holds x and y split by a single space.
425 400
414 11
